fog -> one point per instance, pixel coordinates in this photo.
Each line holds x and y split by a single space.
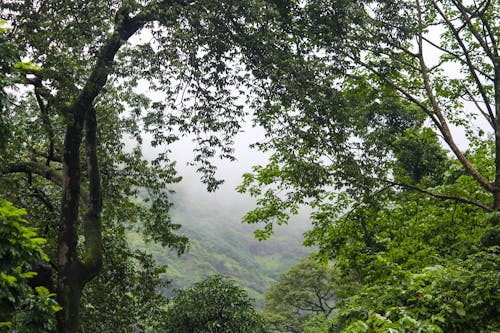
225 197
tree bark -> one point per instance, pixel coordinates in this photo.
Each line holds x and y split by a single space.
496 187
69 292
69 286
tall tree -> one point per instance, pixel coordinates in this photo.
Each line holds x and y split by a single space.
362 118
66 158
355 78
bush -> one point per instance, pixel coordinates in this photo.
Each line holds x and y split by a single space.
212 305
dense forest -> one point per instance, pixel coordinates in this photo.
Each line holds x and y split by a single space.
381 123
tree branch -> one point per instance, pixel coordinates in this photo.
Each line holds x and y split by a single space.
35 168
46 122
473 30
40 195
468 60
440 196
403 91
445 131
457 57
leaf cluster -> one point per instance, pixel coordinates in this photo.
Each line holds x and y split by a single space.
22 307
214 304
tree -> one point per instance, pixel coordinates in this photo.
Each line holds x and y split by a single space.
355 76
362 124
66 158
214 304
305 290
430 265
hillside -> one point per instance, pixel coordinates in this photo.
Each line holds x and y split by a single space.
221 244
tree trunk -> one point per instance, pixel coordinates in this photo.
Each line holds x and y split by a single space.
73 273
69 283
496 190
69 292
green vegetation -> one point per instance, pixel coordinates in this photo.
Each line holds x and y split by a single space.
126 295
381 120
364 131
25 306
220 244
83 95
429 265
307 290
213 305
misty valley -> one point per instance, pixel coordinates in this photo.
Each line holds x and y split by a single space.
250 166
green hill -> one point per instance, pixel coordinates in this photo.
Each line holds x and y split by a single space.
221 244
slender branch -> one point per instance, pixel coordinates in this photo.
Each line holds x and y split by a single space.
46 122
445 131
492 37
403 91
457 57
473 30
468 60
320 300
440 196
486 25
43 198
476 103
54 158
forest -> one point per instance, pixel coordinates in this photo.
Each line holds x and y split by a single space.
381 137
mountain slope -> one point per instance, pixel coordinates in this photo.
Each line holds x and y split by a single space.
221 244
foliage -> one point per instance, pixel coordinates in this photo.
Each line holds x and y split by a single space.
316 324
127 295
81 117
407 262
357 87
306 290
9 57
354 117
214 304
421 263
22 308
458 297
